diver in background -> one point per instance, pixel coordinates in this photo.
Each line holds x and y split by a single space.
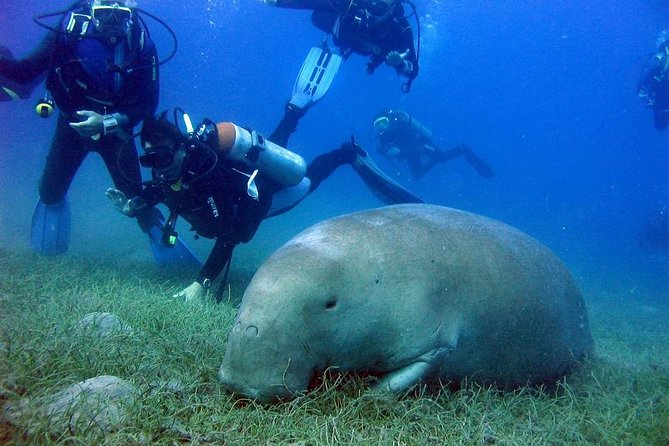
401 137
101 68
224 180
653 89
375 28
654 234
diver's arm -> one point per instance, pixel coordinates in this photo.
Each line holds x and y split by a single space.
405 45
218 258
30 68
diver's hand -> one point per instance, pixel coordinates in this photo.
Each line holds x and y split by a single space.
192 293
396 59
91 126
120 201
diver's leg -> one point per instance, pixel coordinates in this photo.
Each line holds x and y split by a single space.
481 167
287 198
65 156
323 165
50 228
287 125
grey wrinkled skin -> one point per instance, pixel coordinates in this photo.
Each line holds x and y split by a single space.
412 292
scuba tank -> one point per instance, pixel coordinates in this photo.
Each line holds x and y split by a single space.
275 162
420 129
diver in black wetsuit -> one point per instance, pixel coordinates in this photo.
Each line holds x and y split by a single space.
401 137
375 28
224 180
101 67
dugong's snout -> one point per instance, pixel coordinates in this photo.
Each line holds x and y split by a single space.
258 366
265 395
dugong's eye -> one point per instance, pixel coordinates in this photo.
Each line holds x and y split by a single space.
331 303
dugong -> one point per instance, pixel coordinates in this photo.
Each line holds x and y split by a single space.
412 293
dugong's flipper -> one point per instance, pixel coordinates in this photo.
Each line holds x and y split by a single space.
406 377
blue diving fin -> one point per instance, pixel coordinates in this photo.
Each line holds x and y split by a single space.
177 254
316 75
50 232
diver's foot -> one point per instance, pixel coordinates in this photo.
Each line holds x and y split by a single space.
350 152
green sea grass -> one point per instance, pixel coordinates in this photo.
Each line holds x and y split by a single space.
173 354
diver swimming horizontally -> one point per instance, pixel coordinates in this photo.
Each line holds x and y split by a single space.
102 74
401 137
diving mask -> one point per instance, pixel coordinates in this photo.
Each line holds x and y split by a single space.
111 20
382 124
111 15
379 10
165 162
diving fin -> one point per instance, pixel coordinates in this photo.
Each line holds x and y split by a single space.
385 188
50 231
11 90
315 77
481 167
178 254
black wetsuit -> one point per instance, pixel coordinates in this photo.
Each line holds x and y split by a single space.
216 204
417 149
87 73
214 198
353 32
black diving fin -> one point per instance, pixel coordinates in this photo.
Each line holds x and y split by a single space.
481 167
382 186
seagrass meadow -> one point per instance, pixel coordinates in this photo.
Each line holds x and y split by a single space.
174 350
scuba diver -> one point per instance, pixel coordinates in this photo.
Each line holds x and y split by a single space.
375 28
653 87
101 69
401 137
225 180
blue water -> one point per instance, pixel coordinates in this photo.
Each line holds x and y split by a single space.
544 91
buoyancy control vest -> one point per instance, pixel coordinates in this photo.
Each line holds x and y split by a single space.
88 69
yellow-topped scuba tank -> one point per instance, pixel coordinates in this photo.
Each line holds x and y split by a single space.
272 161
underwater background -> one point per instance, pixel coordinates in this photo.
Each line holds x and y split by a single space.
543 91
